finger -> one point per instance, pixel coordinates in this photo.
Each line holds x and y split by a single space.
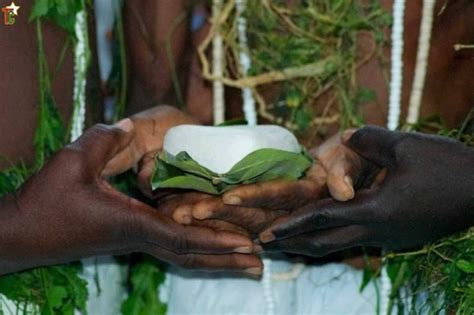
147 167
340 177
180 206
252 219
140 223
249 264
279 194
125 159
150 128
321 243
180 239
322 215
219 225
101 143
183 214
375 144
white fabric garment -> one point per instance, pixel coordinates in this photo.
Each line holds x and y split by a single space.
111 280
327 289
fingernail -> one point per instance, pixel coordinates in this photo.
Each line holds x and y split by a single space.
182 215
349 183
202 213
267 237
232 200
186 219
254 271
125 124
244 250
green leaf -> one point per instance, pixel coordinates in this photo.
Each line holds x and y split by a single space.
259 166
187 182
40 9
185 162
233 122
277 163
56 296
293 98
365 96
366 278
145 279
465 266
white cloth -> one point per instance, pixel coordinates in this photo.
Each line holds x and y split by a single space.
328 289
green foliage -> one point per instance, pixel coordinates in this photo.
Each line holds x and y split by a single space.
145 278
61 12
49 136
53 290
181 171
443 272
440 276
57 290
281 36
12 178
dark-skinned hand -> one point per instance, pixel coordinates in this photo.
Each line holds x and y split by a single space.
198 209
68 211
427 193
150 129
254 207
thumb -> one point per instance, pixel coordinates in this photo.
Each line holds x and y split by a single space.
375 144
101 142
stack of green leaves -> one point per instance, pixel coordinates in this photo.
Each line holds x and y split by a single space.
182 171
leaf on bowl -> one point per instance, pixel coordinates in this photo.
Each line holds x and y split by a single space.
182 171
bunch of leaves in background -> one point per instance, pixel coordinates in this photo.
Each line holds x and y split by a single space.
58 289
145 279
290 35
45 291
181 171
55 290
61 12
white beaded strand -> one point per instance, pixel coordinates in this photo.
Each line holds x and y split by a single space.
251 117
394 109
422 55
245 62
396 80
81 61
217 66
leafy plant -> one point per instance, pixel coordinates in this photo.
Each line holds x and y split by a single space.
290 37
61 12
57 289
181 171
145 278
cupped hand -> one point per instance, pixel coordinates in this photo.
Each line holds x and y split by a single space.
198 209
427 193
150 129
254 207
68 211
334 173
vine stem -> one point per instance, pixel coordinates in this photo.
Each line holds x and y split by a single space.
45 287
427 249
396 285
